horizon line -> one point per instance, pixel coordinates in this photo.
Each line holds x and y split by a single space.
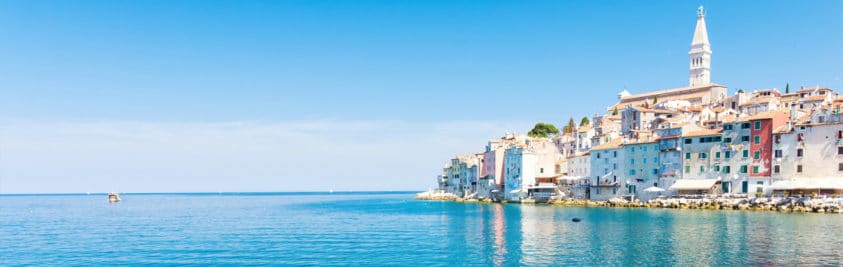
222 193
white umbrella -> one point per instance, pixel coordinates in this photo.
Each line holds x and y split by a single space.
653 189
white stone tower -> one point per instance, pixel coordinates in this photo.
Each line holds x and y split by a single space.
700 53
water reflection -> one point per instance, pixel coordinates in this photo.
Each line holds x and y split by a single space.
506 235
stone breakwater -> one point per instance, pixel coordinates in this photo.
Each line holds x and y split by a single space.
804 205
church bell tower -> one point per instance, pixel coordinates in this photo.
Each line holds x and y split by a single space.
700 54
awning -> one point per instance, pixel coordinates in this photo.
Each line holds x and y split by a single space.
542 186
815 183
571 178
693 184
653 189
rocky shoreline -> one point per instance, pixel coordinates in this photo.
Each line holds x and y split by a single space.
777 204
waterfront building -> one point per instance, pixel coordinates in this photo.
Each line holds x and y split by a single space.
530 169
701 155
642 164
809 155
670 162
737 134
761 149
519 172
607 165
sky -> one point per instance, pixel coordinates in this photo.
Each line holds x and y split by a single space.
207 96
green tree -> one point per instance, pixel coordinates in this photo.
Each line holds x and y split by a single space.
615 112
570 127
787 88
584 121
543 130
655 100
740 91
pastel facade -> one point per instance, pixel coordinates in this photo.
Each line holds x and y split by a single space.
607 171
642 165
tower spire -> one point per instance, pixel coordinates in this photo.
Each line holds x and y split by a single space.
700 54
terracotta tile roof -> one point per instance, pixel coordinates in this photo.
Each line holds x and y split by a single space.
803 119
703 133
759 100
650 95
780 129
815 98
616 143
762 116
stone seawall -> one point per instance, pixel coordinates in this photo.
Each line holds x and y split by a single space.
824 205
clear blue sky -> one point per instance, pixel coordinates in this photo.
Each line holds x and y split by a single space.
172 95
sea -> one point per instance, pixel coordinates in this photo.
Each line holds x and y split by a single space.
393 229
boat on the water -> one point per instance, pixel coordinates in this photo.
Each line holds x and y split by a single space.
113 197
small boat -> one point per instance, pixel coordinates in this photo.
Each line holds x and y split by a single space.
113 197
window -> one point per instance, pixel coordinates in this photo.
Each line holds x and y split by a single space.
717 154
688 141
727 127
703 155
777 169
655 171
743 168
757 139
746 153
727 140
840 150
728 154
615 154
614 166
758 125
655 159
633 149
631 172
756 155
755 169
687 169
687 155
598 155
541 170
632 161
778 153
799 152
702 168
644 160
745 125
745 138
799 168
840 167
717 168
644 148
727 169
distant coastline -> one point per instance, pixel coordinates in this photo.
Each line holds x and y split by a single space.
292 193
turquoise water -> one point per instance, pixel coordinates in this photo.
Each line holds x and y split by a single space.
393 229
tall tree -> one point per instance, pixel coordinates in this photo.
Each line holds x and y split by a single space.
584 121
787 88
571 125
655 100
543 130
615 111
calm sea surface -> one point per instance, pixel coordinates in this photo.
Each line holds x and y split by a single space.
394 229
